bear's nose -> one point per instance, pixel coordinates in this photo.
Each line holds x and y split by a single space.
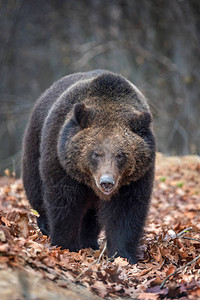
107 183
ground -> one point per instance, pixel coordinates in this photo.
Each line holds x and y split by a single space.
31 269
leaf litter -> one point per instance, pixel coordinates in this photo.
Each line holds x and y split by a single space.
169 254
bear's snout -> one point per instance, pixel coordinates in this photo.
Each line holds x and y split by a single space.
107 183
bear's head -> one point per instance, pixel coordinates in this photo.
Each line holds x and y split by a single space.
107 147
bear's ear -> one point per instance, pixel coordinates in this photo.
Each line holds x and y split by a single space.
140 122
81 114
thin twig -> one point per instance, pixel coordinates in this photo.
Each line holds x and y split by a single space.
179 269
112 257
189 238
184 231
84 271
94 262
102 252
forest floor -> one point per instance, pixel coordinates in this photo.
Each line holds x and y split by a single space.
169 256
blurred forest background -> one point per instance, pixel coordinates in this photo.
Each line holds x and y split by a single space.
154 43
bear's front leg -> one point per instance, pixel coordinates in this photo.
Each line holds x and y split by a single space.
90 230
65 223
124 218
65 205
123 235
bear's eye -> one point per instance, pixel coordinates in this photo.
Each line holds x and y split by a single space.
96 155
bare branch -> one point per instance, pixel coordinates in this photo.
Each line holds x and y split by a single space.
102 252
178 270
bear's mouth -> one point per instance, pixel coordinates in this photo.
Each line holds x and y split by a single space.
106 184
107 188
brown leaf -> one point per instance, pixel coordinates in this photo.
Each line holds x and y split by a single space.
35 248
5 221
170 270
23 226
156 281
157 255
182 253
121 261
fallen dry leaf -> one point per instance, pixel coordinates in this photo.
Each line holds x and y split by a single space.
170 270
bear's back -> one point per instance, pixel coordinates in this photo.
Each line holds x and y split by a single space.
103 85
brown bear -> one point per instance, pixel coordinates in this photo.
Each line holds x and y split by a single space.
88 162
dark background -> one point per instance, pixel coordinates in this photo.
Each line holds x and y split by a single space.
154 43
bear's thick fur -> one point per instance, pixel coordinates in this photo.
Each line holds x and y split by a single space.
88 162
